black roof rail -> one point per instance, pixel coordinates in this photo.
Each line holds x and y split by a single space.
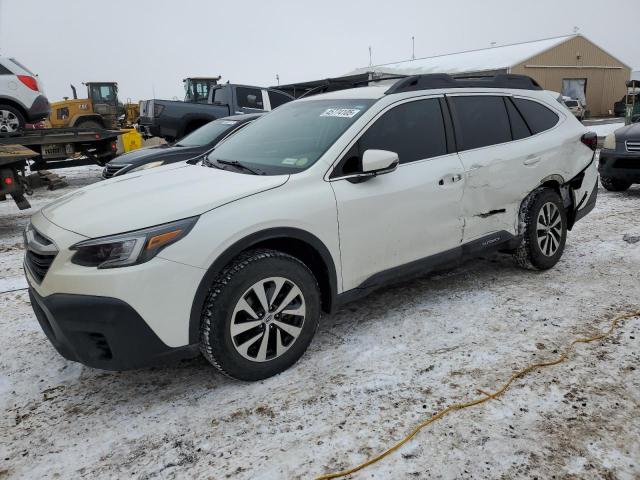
442 80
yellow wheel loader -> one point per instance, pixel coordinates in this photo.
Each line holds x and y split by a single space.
99 110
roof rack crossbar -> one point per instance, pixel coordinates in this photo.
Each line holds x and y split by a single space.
442 80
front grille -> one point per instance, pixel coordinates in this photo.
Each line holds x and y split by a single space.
38 264
633 146
39 254
110 170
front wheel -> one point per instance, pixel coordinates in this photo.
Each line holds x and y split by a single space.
614 185
544 219
260 315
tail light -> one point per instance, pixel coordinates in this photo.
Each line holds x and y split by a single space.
8 181
590 139
29 81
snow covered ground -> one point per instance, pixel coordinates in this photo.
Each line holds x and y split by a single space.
374 369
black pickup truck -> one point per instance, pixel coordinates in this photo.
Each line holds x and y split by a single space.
172 119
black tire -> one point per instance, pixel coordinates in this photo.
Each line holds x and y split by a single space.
216 342
614 185
14 120
531 253
89 124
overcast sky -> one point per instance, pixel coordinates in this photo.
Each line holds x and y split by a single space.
149 46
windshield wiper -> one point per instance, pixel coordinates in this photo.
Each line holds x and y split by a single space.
239 165
205 161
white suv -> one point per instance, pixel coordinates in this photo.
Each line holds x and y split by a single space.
317 203
22 98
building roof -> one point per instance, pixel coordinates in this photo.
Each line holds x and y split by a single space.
484 59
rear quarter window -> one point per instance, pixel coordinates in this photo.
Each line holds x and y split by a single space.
538 117
4 70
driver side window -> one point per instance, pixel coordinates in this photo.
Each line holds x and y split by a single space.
414 130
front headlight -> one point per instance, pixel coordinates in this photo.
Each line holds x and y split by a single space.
147 165
130 248
610 142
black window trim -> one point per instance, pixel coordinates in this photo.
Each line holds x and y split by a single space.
509 99
328 176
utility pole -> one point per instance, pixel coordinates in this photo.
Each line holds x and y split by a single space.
370 57
278 79
413 48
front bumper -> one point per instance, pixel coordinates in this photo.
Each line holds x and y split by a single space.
620 165
102 332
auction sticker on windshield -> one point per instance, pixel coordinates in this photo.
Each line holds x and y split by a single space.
340 112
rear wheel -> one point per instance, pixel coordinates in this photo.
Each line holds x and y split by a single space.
260 315
11 119
545 230
89 124
614 185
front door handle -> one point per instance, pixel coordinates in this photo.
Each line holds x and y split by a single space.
450 178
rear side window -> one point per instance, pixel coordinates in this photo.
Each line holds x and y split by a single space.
538 117
249 98
480 121
277 99
519 128
414 130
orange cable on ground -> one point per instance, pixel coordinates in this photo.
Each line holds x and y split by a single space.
487 396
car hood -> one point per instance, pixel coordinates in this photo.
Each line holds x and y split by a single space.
628 132
153 197
166 153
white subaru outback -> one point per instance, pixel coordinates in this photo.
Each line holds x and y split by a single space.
315 204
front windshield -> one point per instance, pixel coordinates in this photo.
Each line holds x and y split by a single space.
212 132
292 137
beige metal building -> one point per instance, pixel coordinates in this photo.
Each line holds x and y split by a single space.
571 65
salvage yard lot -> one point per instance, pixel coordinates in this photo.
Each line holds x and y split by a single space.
375 369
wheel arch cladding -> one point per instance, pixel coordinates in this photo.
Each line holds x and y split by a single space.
298 243
15 104
562 188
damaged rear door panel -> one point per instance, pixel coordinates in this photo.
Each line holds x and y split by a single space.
507 153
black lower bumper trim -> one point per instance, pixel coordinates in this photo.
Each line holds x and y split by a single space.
102 332
590 205
620 166
39 110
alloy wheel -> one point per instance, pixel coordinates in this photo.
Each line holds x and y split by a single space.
549 229
267 319
9 122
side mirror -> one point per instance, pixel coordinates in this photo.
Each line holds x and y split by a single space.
378 162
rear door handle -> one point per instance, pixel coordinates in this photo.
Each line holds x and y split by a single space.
531 160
